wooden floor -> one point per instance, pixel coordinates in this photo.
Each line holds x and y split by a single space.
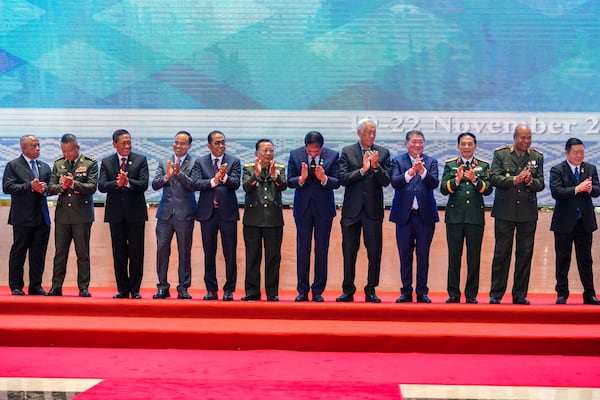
542 274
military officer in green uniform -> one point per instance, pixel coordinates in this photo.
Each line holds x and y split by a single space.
517 175
73 179
263 182
466 180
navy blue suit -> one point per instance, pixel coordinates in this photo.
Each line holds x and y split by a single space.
126 213
175 215
218 210
414 227
30 220
314 210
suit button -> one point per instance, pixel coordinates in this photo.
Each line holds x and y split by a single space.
69 195
468 201
518 202
265 205
467 192
69 205
265 188
265 198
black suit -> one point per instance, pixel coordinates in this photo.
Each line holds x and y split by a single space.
125 211
362 208
30 220
573 222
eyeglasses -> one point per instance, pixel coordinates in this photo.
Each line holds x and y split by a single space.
219 143
267 151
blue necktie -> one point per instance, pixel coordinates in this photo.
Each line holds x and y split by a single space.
577 174
34 169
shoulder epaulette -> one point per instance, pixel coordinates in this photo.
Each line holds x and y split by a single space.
250 164
502 148
537 151
89 158
451 159
481 160
279 165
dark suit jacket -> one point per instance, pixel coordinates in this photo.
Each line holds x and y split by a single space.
178 197
74 205
363 192
124 204
223 193
422 189
26 206
562 187
314 190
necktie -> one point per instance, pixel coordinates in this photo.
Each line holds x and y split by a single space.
311 170
216 168
467 165
34 169
123 163
216 165
72 163
577 174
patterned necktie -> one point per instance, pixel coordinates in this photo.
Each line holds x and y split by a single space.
577 174
311 170
123 163
34 169
216 165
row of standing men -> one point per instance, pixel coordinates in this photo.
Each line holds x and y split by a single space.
315 171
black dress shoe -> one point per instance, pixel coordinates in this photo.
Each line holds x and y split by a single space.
18 292
520 300
472 300
345 298
121 295
228 295
54 292
423 299
210 295
561 300
84 293
162 294
453 299
317 298
372 298
301 297
591 300
37 292
494 300
184 295
404 298
272 298
136 295
251 297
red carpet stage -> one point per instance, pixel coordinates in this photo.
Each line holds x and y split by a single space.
539 329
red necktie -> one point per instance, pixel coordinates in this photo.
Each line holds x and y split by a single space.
123 163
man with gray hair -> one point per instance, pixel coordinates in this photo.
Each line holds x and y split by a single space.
364 171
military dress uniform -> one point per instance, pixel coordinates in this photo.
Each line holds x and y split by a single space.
263 222
515 207
73 217
465 221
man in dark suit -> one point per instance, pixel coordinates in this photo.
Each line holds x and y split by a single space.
466 180
124 178
517 175
414 177
364 171
26 179
73 179
217 177
573 183
313 170
263 182
175 215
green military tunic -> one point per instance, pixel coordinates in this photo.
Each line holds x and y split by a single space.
515 208
263 225
465 220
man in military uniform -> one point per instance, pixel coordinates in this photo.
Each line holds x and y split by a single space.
517 175
263 182
73 179
466 180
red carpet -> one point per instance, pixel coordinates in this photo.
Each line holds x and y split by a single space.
203 374
541 328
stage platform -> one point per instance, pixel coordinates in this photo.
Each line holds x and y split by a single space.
542 328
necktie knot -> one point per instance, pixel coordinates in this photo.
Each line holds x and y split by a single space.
468 165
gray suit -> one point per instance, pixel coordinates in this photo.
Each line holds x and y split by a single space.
175 215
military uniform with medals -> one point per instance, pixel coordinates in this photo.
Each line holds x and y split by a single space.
465 221
73 216
515 208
